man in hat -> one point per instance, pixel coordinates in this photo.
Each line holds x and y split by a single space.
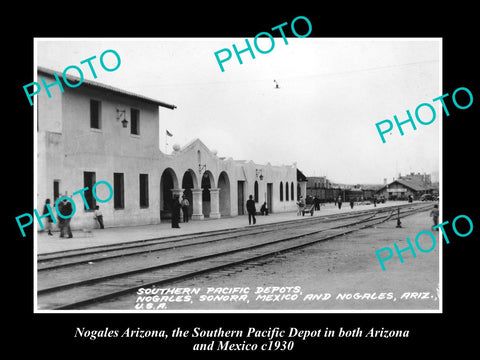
65 208
251 210
175 212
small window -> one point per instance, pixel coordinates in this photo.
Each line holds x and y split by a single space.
255 191
88 182
56 190
95 111
144 190
286 191
118 197
292 195
134 122
281 191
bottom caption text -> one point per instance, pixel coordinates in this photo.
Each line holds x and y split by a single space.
249 339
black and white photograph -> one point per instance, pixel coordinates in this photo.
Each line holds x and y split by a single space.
225 174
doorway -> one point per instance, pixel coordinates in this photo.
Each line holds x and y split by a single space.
168 182
224 195
269 197
241 197
188 185
206 185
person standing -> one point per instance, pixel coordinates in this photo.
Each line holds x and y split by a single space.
251 210
99 216
339 201
300 205
65 208
434 214
49 219
185 204
175 212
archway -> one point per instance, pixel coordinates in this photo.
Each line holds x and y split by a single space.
224 195
207 184
168 181
189 182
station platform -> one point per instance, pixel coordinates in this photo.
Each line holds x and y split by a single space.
112 235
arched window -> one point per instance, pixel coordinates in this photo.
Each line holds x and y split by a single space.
255 191
281 191
286 191
292 197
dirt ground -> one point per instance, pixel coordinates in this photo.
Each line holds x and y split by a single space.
343 274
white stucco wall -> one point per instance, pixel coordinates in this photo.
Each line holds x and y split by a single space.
67 147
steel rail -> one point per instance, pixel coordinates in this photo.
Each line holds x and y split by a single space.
218 264
82 255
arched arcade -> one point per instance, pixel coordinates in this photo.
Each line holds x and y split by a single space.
208 198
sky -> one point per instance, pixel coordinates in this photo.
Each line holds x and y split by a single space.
332 92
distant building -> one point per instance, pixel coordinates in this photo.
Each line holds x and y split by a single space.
424 179
321 187
327 191
318 182
370 191
401 189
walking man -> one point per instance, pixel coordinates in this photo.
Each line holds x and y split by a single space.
185 204
251 210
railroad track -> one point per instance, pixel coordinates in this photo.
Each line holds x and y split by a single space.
98 253
105 252
67 280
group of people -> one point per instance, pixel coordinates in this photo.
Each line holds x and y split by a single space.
65 208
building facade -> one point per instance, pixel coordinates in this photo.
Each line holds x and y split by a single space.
93 133
402 189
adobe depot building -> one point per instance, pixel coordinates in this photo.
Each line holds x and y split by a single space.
95 132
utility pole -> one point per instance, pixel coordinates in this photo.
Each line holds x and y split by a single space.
399 223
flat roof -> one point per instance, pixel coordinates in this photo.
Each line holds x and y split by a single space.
93 84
